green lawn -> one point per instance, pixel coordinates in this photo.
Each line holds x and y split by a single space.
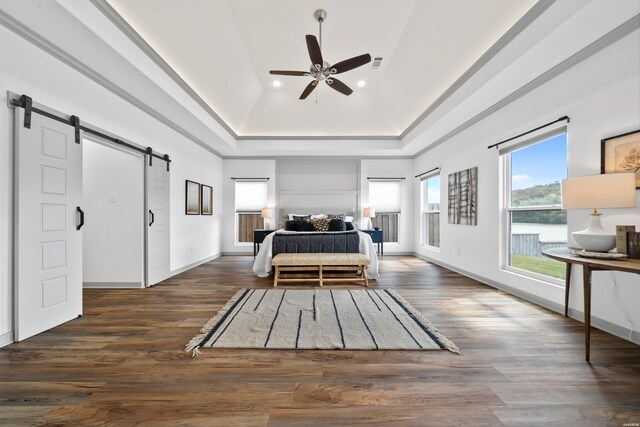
545 266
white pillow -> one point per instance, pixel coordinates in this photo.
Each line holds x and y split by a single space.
295 214
318 216
348 219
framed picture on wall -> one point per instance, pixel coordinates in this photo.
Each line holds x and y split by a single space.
192 198
463 197
206 201
621 153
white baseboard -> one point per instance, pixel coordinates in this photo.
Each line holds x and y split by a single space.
6 338
596 322
396 254
193 264
112 285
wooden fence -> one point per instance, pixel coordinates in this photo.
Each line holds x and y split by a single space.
432 226
388 222
530 244
247 222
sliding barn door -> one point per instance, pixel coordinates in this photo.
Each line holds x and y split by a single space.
48 218
157 254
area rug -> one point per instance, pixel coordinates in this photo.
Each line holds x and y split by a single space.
319 319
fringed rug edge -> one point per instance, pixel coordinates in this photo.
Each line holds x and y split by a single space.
448 344
196 342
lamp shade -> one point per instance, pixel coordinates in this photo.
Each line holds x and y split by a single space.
267 212
614 190
369 212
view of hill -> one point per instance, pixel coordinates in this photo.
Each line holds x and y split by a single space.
539 195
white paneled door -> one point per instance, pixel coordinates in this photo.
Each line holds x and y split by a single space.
48 220
157 254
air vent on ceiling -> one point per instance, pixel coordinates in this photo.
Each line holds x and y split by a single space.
376 62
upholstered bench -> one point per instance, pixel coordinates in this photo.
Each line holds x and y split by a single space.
319 264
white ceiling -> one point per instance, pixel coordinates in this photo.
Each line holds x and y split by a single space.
225 49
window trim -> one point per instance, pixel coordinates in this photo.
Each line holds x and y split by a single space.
237 213
507 210
424 211
400 182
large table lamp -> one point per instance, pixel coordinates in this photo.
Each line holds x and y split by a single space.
266 213
369 213
605 191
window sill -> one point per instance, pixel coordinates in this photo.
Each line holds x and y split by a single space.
547 280
431 248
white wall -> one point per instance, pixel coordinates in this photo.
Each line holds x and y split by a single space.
601 97
27 69
328 186
113 202
393 168
243 169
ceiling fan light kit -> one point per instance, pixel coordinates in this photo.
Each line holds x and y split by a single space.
320 69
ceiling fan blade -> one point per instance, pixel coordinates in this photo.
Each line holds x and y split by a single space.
339 86
289 73
307 90
314 51
350 64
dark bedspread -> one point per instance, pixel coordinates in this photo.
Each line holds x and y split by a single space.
315 242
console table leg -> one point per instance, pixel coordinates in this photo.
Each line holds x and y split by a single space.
567 286
587 309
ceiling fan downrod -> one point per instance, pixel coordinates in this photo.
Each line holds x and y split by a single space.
320 16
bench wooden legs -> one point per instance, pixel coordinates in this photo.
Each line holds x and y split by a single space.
320 277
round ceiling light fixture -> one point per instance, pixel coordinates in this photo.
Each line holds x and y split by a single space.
361 83
276 83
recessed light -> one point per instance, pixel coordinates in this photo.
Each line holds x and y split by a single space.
276 83
361 83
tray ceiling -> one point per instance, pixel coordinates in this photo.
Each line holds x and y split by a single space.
225 49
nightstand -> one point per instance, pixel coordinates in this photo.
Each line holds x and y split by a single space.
377 236
258 237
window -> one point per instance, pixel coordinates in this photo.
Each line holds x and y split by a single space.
430 195
251 197
534 215
385 196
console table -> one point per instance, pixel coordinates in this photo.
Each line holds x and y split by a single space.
377 236
588 265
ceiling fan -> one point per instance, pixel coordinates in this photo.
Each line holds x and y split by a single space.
320 70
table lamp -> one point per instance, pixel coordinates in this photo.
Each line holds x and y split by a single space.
266 213
369 213
605 191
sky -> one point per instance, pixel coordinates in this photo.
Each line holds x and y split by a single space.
541 163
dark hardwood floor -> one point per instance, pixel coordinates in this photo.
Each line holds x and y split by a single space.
123 364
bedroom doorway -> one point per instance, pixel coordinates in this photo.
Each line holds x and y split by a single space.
113 199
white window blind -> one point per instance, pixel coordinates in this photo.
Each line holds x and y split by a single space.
250 196
385 196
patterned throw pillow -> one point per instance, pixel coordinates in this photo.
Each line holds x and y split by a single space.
321 225
301 217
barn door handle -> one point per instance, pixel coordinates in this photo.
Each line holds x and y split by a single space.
153 218
81 212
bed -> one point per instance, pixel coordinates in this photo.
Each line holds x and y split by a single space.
314 241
